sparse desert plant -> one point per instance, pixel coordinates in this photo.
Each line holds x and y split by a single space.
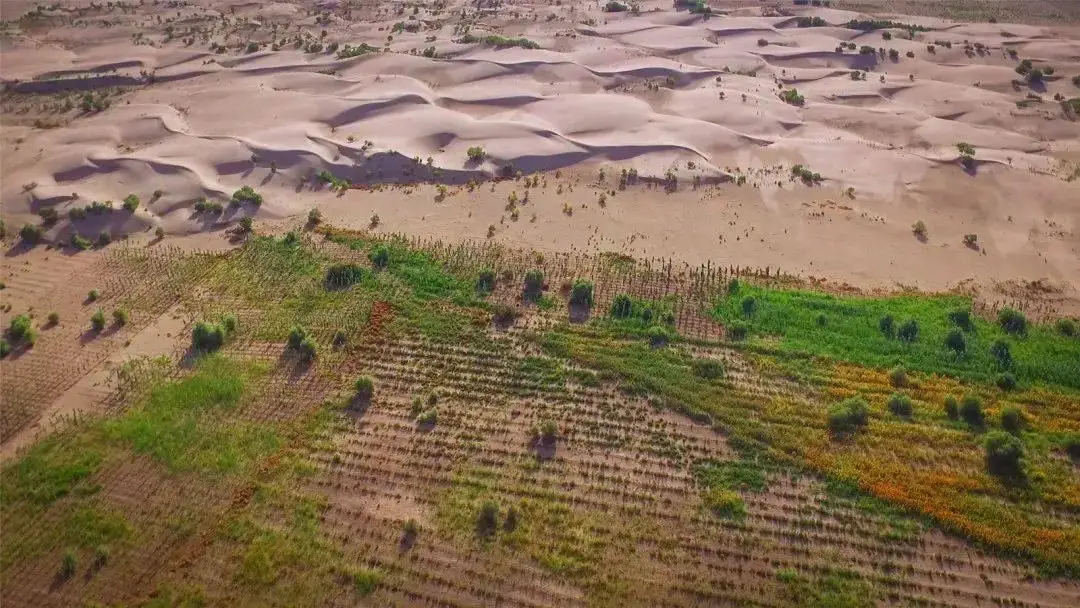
971 241
792 96
900 404
54 318
93 295
919 229
246 225
1012 321
1004 454
314 217
848 415
120 317
97 321
131 203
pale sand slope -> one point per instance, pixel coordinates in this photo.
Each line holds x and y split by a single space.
653 92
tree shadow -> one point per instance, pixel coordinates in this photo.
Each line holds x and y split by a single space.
579 313
543 449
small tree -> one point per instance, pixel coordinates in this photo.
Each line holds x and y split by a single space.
475 153
131 203
909 331
1004 454
1012 418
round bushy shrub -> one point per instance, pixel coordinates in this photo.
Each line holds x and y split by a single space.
1000 351
1012 321
962 319
534 283
971 410
749 305
1006 381
1004 454
737 331
343 275
1012 418
952 408
898 376
710 369
380 256
97 322
955 342
1066 327
487 521
848 415
887 325
207 337
909 331
20 327
900 405
485 283
365 388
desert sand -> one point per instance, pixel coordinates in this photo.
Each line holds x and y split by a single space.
664 92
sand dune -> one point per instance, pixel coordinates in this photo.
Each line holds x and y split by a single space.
664 93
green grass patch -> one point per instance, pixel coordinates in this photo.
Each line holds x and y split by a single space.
835 588
739 475
848 329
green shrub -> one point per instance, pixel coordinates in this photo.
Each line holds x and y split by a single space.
887 325
737 331
54 318
1066 327
81 243
952 408
340 276
622 306
301 343
749 305
485 283
962 319
955 342
710 369
68 565
909 331
547 432
207 337
534 284
1004 454
581 293
487 521
1012 321
120 317
20 327
475 153
1012 418
900 405
365 388
229 323
32 233
380 256
247 194
898 376
93 295
5 348
131 203
1000 351
1005 381
97 322
848 415
971 410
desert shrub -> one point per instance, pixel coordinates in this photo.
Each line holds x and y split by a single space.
1004 454
762 42
20 327
1066 327
1012 321
246 224
487 520
380 256
965 149
229 323
207 337
710 369
1005 381
68 565
120 317
54 318
581 294
5 348
485 283
848 415
952 408
534 283
131 203
908 331
104 239
97 322
48 215
792 97
93 295
887 325
971 240
247 194
919 229
546 432
898 376
955 342
962 319
1000 351
1012 418
622 306
749 305
340 338
894 55
900 405
301 343
348 51
475 153
503 314
80 243
314 217
343 275
737 331
971 410
410 528
365 388
32 233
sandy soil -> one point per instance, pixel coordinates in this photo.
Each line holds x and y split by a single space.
691 104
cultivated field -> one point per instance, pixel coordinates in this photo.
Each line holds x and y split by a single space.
621 320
